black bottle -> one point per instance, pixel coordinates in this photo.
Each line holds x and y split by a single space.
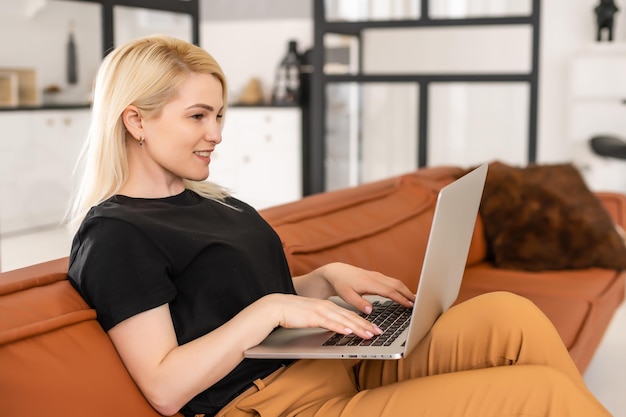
287 83
72 70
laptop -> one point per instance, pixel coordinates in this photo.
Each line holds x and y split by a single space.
440 280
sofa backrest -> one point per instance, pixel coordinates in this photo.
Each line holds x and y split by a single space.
382 226
55 359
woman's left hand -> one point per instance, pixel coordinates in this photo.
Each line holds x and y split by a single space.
351 283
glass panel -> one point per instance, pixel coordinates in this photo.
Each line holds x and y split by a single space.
500 49
453 9
132 23
479 122
362 10
341 54
389 139
342 135
371 132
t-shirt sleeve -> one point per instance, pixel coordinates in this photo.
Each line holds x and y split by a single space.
118 270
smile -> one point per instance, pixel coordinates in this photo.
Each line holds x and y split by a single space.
204 154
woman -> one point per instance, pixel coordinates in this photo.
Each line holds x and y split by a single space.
157 245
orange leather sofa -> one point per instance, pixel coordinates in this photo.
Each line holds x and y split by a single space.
55 360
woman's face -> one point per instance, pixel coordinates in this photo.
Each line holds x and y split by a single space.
179 142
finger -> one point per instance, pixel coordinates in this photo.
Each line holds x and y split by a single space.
398 292
362 327
355 299
403 298
352 322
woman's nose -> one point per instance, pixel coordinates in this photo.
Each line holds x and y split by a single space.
214 133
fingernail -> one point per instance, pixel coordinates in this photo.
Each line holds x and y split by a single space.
378 329
370 334
348 330
368 310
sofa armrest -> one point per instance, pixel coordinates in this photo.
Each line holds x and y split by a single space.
615 204
33 275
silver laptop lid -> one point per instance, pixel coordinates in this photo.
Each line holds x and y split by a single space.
447 250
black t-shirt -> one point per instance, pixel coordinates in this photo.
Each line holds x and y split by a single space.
208 260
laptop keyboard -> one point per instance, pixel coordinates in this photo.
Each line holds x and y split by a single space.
391 317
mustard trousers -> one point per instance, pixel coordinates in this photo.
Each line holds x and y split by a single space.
493 355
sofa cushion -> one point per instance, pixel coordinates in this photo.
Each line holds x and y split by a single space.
543 217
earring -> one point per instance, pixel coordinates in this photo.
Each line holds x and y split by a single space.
141 140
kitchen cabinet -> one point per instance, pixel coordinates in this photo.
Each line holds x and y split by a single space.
259 160
38 151
260 157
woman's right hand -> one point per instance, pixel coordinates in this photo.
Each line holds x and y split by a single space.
294 311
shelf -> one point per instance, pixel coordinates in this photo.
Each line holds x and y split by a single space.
64 106
601 48
78 106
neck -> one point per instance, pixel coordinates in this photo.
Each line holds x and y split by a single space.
146 179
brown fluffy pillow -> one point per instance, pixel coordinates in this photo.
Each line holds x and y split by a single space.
543 217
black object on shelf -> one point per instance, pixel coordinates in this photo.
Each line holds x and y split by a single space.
608 146
286 90
72 70
605 12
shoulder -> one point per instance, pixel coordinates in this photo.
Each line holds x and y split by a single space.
118 269
103 228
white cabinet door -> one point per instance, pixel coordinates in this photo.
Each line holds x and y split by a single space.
14 142
260 157
39 151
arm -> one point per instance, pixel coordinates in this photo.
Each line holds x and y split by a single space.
170 375
351 283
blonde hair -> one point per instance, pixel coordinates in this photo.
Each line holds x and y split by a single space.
145 73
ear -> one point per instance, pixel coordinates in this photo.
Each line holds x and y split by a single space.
133 122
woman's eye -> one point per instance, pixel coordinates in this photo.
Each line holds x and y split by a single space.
220 116
197 116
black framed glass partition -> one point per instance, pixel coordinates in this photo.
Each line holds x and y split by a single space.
451 82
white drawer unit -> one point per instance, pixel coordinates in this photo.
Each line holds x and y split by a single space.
260 157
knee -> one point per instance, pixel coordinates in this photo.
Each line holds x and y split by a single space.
502 311
506 303
511 310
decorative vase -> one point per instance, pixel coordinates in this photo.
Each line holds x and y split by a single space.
286 89
72 70
605 12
